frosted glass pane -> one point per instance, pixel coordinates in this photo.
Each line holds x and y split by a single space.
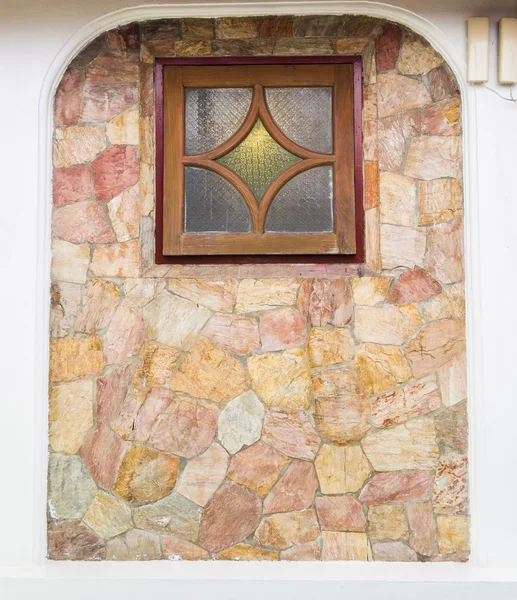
213 204
304 114
304 204
213 115
258 160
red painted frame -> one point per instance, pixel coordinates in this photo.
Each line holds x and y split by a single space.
358 257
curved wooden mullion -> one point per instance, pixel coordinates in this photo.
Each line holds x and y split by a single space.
279 136
235 180
282 179
239 135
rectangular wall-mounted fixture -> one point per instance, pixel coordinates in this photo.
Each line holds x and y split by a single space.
508 51
478 49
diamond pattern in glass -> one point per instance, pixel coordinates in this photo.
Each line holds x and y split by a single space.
213 115
304 114
258 160
213 204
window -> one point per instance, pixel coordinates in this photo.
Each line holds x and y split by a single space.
259 161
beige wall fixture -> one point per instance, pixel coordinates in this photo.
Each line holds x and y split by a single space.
478 49
508 51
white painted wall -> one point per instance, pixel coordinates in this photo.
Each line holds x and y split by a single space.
32 34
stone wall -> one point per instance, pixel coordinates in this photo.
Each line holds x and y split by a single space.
257 412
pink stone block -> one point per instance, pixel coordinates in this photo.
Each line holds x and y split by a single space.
294 491
340 513
84 222
281 329
413 286
111 390
387 47
71 185
114 171
103 103
102 454
397 487
67 104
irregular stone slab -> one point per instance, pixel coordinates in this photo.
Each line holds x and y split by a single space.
74 358
380 367
134 545
231 516
391 144
453 534
112 67
351 45
235 27
154 405
452 429
264 294
203 475
414 286
338 545
342 410
422 528
102 452
117 260
125 335
417 56
173 321
387 47
67 103
281 329
443 118
110 392
397 93
387 521
71 185
402 247
294 490
65 302
70 415
72 540
102 103
186 429
238 335
290 433
340 513
397 487
156 365
108 516
125 38
440 200
397 199
285 529
114 171
81 223
100 303
145 475
442 83
413 400
219 296
326 302
257 467
141 291
124 128
247 552
240 422
450 304
453 380
77 145
124 212
411 123
435 344
281 379
412 445
329 346
393 552
444 257
70 487
178 549
198 29
210 373
341 469
432 157
311 551
369 291
175 514
450 495
392 325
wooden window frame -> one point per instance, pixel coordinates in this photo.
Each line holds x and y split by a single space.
303 247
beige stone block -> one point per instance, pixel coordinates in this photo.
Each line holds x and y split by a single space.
387 521
453 534
69 262
369 291
70 415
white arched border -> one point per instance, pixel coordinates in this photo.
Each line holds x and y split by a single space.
218 570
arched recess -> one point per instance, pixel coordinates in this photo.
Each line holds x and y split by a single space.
88 33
